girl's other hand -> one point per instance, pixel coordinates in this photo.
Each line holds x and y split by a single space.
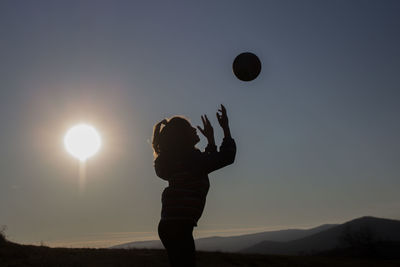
223 117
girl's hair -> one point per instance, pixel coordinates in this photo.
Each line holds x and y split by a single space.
172 137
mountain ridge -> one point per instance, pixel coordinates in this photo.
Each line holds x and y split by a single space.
234 243
294 241
361 231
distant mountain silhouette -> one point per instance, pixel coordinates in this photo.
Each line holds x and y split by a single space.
329 238
361 232
236 243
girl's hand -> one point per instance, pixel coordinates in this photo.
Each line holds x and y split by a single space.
207 130
223 118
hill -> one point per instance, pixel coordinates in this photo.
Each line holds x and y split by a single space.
362 232
235 243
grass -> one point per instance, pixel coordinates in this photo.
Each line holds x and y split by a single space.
15 255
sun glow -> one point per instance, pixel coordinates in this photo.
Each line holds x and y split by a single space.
82 141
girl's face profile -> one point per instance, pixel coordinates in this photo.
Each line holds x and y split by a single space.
191 133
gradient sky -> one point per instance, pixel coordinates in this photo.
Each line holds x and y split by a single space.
317 132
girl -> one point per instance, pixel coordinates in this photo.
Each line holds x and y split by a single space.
186 169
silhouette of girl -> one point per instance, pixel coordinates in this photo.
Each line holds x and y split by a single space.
186 169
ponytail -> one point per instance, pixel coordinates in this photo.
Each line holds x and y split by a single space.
156 136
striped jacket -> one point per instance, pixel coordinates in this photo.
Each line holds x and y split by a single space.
185 197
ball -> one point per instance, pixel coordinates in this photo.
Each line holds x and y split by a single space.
246 66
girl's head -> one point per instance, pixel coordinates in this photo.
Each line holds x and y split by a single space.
176 137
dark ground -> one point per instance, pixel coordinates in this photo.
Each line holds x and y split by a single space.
14 255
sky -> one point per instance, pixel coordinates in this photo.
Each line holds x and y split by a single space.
317 132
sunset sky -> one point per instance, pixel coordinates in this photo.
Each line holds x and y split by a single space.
317 132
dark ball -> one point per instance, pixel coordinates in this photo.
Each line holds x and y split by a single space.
246 66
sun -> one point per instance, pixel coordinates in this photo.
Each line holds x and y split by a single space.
82 141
